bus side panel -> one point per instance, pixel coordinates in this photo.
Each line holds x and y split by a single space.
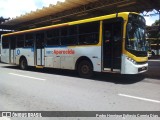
66 57
67 62
28 53
93 53
5 55
13 56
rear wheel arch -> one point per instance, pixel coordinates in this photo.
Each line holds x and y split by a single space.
23 63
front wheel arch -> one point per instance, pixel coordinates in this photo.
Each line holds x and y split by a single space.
84 67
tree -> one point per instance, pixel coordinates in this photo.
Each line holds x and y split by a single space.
157 22
3 19
154 33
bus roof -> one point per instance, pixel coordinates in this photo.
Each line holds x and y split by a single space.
121 14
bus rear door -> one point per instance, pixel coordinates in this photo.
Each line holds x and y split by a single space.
39 51
12 50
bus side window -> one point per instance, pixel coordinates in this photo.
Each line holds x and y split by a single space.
69 35
20 41
12 42
40 40
29 40
52 37
89 33
5 42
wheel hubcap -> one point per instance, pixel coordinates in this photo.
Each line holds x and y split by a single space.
85 69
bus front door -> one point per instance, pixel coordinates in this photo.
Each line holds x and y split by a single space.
112 45
12 50
39 53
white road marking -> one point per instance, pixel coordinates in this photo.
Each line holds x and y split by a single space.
139 98
27 76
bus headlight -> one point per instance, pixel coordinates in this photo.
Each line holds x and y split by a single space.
133 61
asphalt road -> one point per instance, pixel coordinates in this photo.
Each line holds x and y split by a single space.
61 90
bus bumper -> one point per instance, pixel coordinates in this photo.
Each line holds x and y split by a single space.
131 67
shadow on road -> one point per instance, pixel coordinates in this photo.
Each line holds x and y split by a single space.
119 78
105 77
153 69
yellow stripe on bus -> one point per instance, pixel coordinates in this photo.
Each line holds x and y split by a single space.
124 15
36 29
137 59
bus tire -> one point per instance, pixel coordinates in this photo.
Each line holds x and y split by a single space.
85 69
23 64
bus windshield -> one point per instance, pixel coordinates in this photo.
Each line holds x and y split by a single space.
135 40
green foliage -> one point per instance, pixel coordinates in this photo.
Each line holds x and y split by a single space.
157 22
155 33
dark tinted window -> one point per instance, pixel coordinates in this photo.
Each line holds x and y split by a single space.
53 37
29 40
69 35
49 34
89 33
5 42
12 42
40 40
64 32
20 41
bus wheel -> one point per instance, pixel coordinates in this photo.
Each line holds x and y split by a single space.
85 69
23 64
